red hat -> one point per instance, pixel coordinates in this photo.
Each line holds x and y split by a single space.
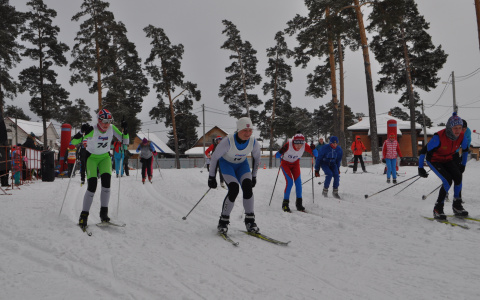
298 139
218 138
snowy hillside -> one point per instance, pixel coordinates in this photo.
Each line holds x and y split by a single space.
355 248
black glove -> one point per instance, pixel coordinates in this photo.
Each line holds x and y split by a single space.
212 182
254 181
124 126
422 173
317 173
77 136
86 128
384 161
461 168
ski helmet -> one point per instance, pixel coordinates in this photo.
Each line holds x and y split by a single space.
104 116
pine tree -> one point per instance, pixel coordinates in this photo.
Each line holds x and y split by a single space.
243 75
48 97
11 22
406 53
75 114
13 112
90 52
186 123
279 73
168 79
125 82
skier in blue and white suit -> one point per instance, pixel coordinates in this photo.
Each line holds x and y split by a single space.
232 154
330 158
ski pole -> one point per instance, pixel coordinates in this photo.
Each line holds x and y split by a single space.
68 185
158 166
307 180
409 184
313 190
184 218
201 171
366 196
275 184
425 197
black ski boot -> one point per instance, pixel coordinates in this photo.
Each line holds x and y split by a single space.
388 180
285 206
325 192
223 224
250 223
438 212
82 222
458 209
394 181
335 194
104 214
299 205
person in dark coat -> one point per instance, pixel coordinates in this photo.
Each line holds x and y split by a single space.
330 158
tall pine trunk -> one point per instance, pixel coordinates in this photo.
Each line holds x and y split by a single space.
411 99
174 125
477 10
368 79
343 142
332 76
272 118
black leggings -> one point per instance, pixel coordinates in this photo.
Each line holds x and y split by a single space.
448 172
147 165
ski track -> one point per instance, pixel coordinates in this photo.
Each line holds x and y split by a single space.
353 248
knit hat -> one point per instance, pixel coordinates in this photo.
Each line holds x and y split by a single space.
144 141
454 120
243 123
333 139
298 138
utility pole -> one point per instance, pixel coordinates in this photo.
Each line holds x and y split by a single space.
455 107
477 9
203 113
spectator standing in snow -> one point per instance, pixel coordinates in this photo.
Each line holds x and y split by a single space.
439 154
208 153
231 154
290 154
125 162
98 157
118 156
357 148
71 155
320 144
390 150
146 158
329 159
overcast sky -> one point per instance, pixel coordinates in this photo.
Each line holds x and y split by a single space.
197 25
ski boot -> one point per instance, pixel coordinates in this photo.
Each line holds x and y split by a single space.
458 209
143 180
150 179
250 223
285 206
223 224
104 214
325 192
394 181
82 222
438 212
388 180
335 194
299 205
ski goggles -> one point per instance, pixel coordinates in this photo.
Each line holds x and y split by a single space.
106 121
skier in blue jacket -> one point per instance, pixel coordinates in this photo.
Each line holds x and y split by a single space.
330 158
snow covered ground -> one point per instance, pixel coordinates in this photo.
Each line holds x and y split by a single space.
355 248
